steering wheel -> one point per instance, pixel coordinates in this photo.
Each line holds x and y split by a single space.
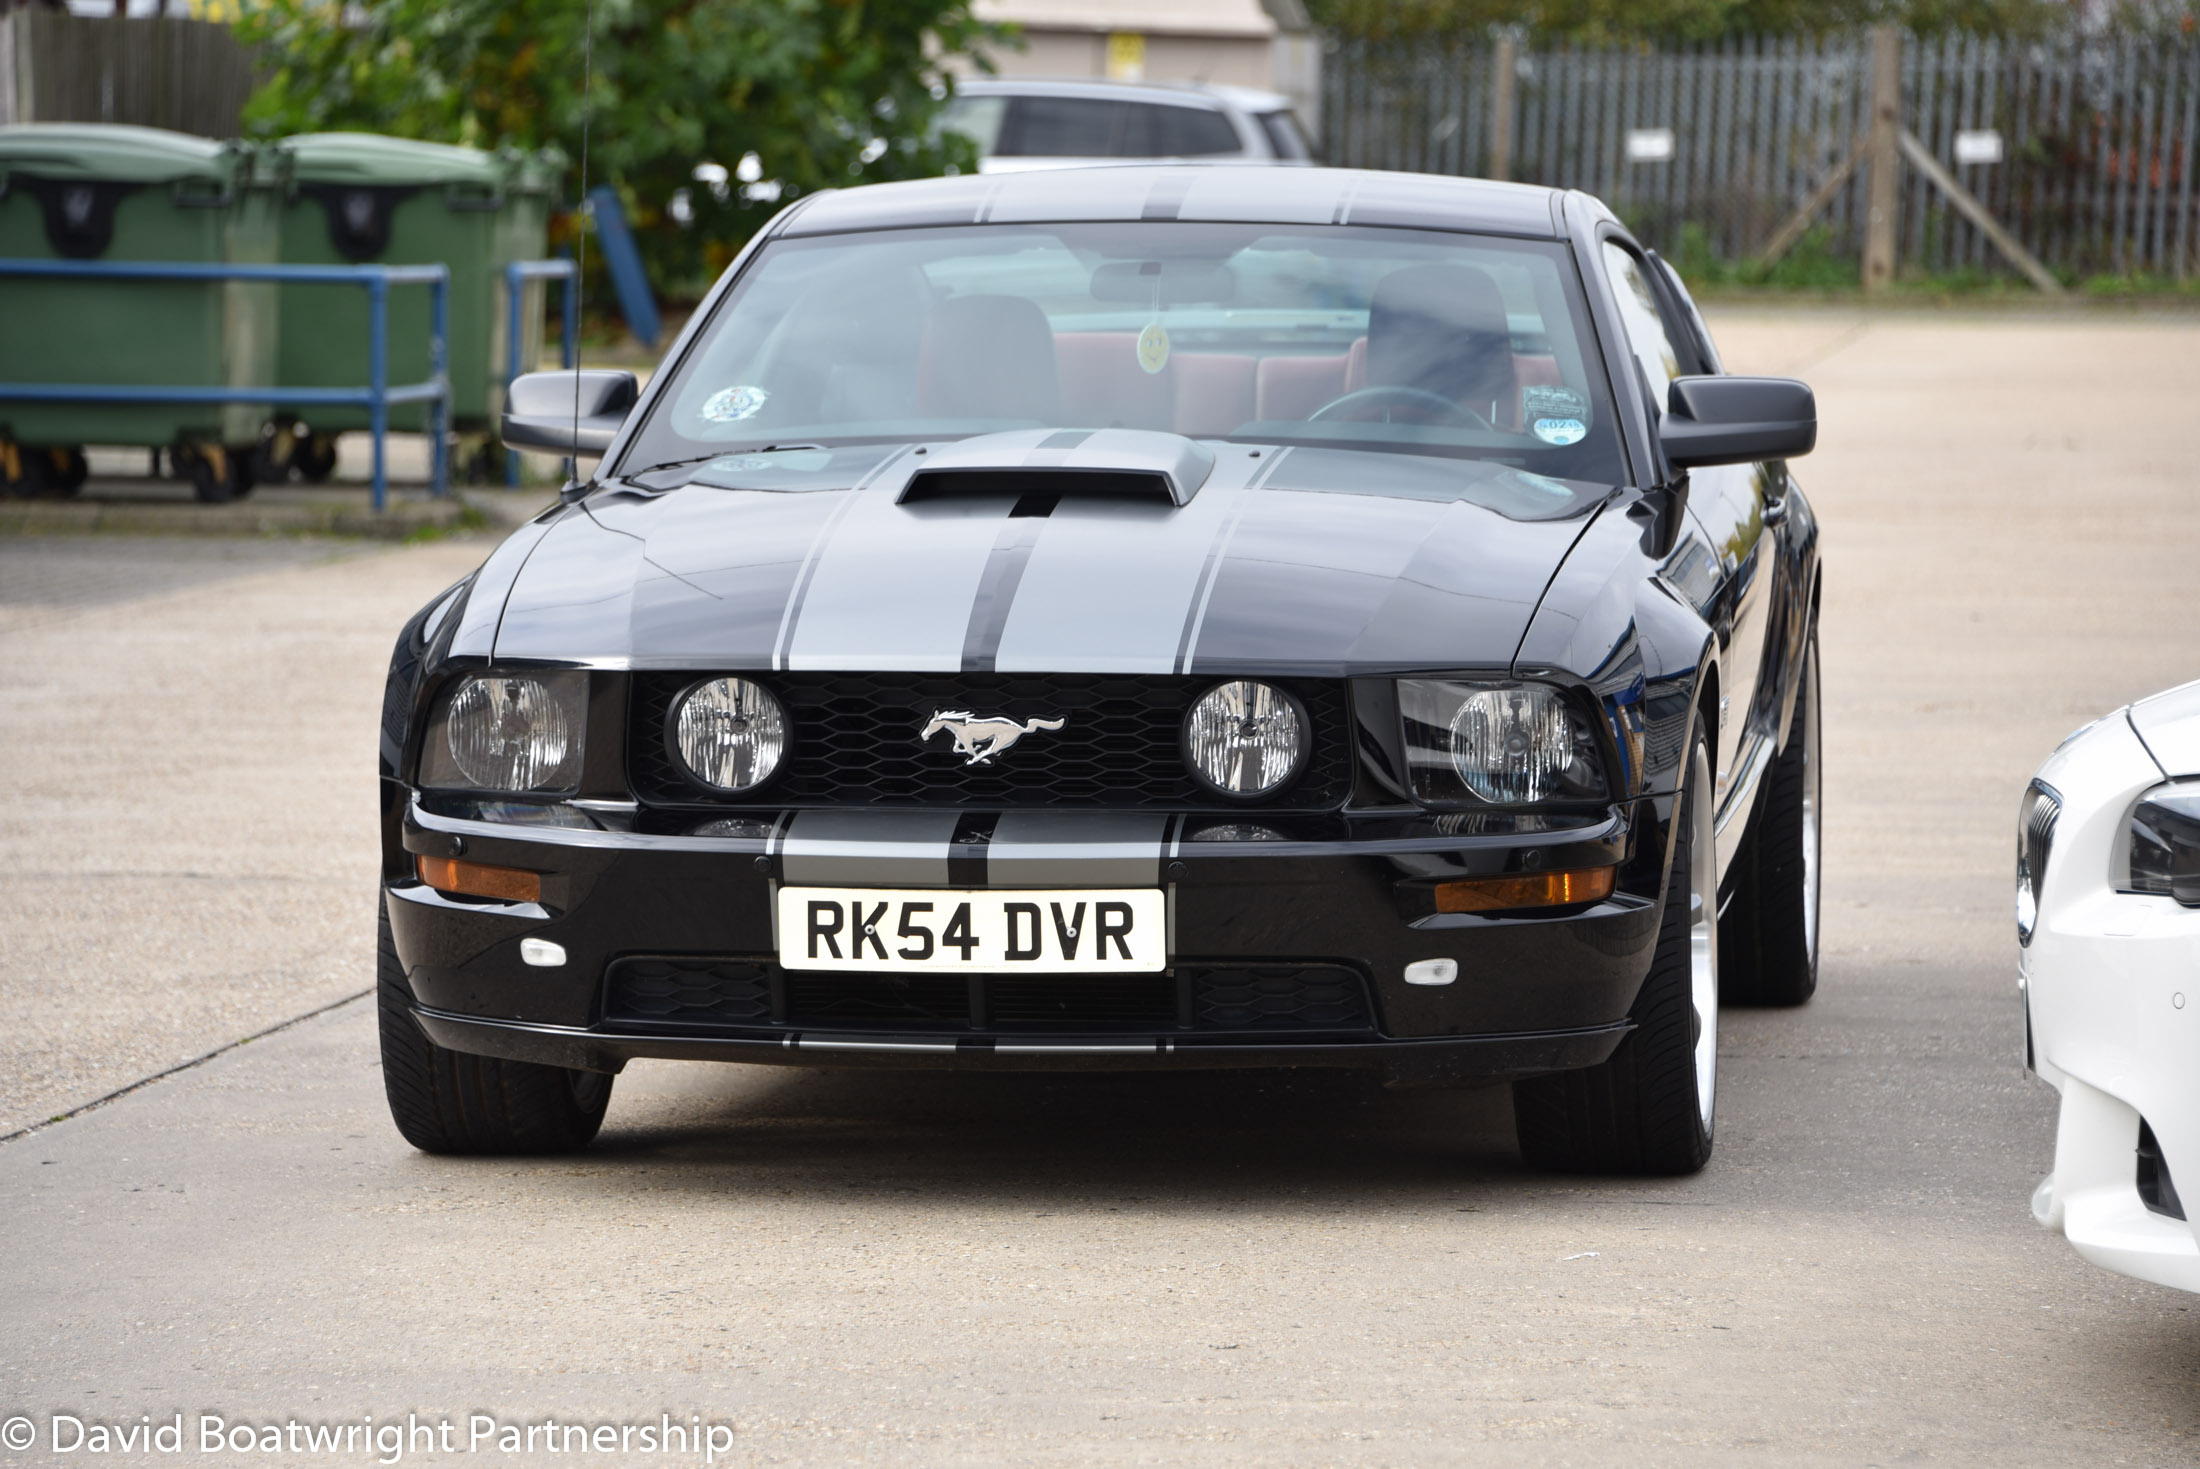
1400 395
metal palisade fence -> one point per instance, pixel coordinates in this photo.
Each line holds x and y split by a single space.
189 75
2081 147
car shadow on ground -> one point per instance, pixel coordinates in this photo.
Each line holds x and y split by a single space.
1189 1137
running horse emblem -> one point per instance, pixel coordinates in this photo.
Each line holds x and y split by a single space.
982 739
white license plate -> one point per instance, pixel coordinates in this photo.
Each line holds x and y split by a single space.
1088 931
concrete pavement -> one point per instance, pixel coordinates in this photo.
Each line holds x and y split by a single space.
851 1267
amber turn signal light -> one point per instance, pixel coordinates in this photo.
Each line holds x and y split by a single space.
477 880
1535 890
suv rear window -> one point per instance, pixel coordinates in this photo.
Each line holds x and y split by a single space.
1089 127
1178 132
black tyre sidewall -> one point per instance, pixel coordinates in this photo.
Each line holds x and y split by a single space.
1637 1112
446 1101
1769 952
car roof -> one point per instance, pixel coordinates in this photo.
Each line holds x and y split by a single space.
1204 94
1189 191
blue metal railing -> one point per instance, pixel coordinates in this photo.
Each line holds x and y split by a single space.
377 396
516 276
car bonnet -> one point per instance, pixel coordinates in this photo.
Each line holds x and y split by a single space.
2169 723
1309 561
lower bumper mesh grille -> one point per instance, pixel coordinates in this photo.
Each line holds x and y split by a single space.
693 991
704 993
1282 998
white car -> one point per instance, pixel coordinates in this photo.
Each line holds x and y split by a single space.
1022 123
2108 916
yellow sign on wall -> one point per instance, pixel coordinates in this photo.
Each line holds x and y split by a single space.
1126 56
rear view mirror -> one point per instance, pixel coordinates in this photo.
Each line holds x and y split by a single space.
573 412
1736 420
1164 282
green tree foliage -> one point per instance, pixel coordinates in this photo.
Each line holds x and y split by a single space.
822 92
1620 22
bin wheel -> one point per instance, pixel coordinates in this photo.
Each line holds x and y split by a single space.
66 471
42 472
217 475
315 458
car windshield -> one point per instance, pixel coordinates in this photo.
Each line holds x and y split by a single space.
1402 341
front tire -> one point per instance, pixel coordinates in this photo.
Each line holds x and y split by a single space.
447 1101
1648 1109
1769 942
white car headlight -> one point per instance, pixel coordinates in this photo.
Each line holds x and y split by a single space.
729 733
2165 843
508 732
1245 739
1508 744
2035 835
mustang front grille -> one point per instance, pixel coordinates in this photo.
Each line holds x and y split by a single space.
707 994
856 739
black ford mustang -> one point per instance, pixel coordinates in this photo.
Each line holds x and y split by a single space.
1129 618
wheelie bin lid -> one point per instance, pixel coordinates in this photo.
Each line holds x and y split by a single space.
374 158
118 153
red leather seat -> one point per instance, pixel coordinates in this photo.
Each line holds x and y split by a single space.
1214 393
1104 387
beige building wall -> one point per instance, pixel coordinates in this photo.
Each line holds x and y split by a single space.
1242 43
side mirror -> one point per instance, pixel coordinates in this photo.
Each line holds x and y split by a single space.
568 413
1735 420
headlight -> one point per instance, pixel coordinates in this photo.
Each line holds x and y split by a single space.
730 733
2035 834
1506 744
1245 739
508 732
2165 843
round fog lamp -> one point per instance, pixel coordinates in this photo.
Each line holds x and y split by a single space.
1511 746
729 733
1245 739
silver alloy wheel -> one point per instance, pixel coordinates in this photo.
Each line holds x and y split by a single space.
1813 779
1703 937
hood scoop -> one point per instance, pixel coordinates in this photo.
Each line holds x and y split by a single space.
1110 463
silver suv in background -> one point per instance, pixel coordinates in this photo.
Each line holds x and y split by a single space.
1022 123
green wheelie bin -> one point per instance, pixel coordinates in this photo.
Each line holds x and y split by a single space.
97 191
362 198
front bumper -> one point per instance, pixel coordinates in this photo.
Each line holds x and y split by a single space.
1252 903
2112 1005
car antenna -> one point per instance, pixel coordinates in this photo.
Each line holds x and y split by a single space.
573 489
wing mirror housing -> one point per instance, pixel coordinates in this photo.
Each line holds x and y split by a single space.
1737 420
578 411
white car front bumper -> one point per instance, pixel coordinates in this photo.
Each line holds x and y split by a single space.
2111 986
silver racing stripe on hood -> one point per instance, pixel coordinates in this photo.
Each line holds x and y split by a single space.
1098 554
892 587
965 586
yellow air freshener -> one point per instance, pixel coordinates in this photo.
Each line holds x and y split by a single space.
1153 347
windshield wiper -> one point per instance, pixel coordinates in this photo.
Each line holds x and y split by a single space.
671 464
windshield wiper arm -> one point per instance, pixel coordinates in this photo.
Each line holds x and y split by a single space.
719 454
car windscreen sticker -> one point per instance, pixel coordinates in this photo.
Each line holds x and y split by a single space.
1153 347
731 405
1549 400
1560 431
